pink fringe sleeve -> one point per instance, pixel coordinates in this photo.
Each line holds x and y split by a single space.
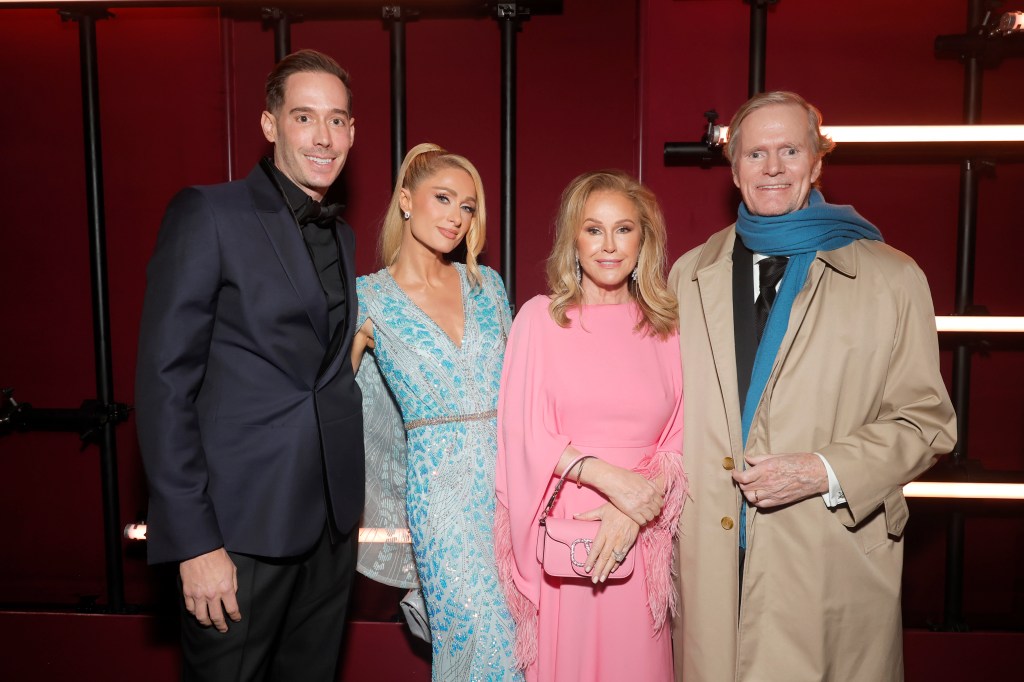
657 538
528 449
524 612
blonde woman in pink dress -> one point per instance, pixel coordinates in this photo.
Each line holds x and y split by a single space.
593 369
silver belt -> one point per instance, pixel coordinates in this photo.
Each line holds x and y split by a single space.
432 421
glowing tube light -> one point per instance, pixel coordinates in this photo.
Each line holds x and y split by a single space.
136 532
965 491
392 535
960 133
963 323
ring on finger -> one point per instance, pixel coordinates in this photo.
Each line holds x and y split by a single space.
619 556
755 496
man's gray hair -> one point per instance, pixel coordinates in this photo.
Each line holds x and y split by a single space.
820 144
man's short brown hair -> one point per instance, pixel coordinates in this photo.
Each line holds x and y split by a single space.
303 61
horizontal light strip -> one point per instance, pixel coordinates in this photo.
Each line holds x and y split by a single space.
137 532
960 133
983 323
392 535
966 133
973 491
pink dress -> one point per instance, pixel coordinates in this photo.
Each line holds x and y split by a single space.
617 394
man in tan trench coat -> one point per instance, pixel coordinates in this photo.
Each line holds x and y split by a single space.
797 446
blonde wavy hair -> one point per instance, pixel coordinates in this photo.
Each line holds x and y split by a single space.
420 163
658 309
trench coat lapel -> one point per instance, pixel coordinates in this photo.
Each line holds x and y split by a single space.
714 283
284 235
842 260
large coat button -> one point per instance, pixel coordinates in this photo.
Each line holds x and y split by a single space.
727 523
728 464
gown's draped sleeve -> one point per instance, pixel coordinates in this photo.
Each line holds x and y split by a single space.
386 554
657 538
529 447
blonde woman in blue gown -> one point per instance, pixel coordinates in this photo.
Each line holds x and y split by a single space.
436 330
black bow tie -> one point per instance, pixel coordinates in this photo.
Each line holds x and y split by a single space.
312 211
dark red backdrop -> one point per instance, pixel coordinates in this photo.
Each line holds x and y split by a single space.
605 84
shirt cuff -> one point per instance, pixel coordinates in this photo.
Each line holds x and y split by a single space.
834 497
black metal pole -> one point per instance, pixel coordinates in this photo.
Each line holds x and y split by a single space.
282 36
966 230
507 18
758 43
393 13
282 25
100 298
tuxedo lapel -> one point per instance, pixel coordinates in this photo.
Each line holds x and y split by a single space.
284 235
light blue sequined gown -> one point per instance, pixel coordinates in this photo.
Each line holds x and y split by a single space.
450 477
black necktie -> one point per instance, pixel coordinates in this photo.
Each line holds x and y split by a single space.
771 270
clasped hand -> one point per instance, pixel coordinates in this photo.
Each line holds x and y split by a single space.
776 480
617 533
633 495
633 501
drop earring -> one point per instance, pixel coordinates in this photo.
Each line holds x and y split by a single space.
633 276
579 270
406 215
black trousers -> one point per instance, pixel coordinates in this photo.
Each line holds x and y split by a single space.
293 618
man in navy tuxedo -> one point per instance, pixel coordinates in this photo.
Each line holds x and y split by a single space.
249 415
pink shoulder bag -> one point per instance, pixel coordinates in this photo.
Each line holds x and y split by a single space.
563 545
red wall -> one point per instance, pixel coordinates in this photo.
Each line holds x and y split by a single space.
162 114
605 84
181 95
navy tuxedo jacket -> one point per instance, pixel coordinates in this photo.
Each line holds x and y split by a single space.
246 426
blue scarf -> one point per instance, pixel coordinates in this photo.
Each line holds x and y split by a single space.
799 235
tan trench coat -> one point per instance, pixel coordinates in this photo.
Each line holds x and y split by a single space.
857 380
